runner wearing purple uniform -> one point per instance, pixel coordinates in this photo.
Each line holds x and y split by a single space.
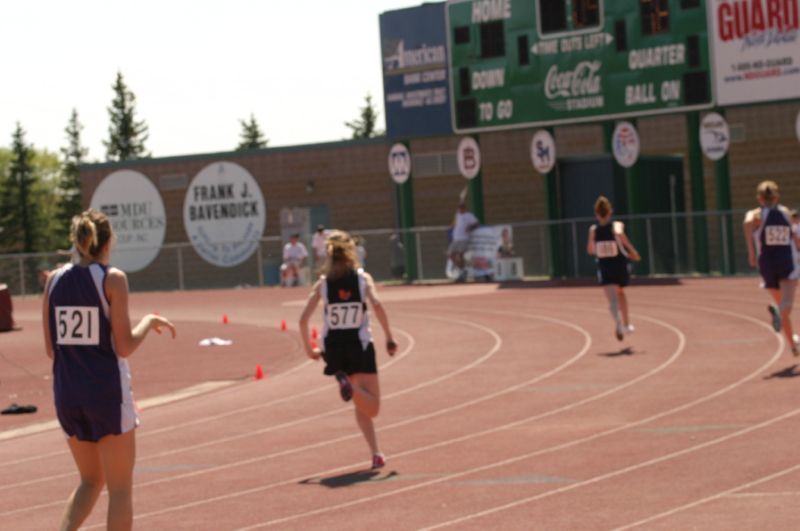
88 335
771 246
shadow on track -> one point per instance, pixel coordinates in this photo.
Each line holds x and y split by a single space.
349 479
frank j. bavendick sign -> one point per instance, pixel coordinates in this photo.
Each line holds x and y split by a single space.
516 63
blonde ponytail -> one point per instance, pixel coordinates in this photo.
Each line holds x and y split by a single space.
342 256
90 232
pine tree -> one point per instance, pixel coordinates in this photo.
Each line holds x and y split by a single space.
126 135
251 136
20 216
69 185
365 126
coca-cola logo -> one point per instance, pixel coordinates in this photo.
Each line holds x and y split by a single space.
582 81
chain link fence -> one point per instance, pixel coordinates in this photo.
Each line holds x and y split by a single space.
706 243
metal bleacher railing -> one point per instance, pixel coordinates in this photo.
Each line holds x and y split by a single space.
678 244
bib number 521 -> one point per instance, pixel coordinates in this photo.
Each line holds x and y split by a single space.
77 325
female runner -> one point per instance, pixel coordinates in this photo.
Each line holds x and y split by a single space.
347 338
608 243
88 335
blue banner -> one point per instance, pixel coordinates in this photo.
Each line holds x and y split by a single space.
415 86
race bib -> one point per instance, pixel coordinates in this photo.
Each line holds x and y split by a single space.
606 249
777 235
77 325
345 315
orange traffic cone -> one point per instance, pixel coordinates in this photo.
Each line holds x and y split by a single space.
283 325
313 343
224 318
314 334
259 372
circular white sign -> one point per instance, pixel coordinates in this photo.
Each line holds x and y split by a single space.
625 144
543 151
797 126
224 214
469 157
136 211
715 137
399 163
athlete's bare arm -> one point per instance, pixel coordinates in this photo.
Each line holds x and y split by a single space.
380 313
311 305
126 338
48 346
752 220
590 241
619 228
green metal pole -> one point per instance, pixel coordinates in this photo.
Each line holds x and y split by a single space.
722 181
553 212
405 199
476 193
699 223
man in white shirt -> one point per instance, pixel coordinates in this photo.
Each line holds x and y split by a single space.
465 223
294 258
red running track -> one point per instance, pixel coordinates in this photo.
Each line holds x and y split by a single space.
510 407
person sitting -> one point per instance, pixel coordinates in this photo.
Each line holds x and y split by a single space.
295 257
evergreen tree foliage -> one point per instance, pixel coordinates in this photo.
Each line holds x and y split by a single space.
69 185
251 136
365 125
126 135
19 213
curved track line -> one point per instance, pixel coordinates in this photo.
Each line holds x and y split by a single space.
203 420
408 452
569 362
714 497
489 354
596 479
675 355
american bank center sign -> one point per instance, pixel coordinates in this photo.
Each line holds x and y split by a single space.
756 50
224 214
517 63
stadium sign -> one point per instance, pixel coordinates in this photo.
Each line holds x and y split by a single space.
136 212
715 136
543 151
224 214
756 50
399 163
415 82
517 63
469 157
625 144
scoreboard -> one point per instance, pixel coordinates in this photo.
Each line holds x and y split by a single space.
518 63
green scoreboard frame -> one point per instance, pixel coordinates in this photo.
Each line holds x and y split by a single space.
520 63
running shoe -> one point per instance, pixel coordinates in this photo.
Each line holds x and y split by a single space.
619 331
776 317
345 387
378 461
629 329
796 345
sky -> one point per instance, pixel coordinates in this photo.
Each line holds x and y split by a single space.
301 67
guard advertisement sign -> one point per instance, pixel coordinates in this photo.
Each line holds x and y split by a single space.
516 63
756 50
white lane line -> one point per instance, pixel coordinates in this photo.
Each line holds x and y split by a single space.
203 420
675 355
168 398
407 452
625 470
